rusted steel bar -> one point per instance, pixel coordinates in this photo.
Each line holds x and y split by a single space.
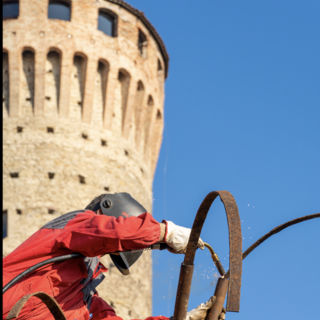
275 231
50 302
220 294
235 255
183 291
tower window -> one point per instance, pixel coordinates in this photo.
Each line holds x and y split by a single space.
14 174
159 65
4 223
10 10
82 179
59 10
51 175
107 23
142 44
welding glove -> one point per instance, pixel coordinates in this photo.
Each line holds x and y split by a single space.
200 312
177 237
223 314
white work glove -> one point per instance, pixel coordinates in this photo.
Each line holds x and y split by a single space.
177 237
223 314
200 312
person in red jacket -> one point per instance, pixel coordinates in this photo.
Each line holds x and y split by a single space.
110 224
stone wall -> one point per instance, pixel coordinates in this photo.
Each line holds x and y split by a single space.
83 115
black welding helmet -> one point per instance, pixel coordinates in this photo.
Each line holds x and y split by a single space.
116 205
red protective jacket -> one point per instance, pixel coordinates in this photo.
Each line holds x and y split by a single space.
72 283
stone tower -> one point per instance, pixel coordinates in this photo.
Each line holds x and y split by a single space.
83 94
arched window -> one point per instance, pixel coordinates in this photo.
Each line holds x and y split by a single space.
107 22
5 83
59 10
142 44
147 119
138 111
27 82
124 79
78 78
100 90
10 10
52 83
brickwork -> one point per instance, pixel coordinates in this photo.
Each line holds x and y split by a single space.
83 115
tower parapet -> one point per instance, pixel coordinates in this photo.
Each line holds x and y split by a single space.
83 94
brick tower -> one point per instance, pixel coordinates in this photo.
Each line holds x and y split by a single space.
83 94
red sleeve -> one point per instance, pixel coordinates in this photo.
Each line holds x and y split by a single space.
100 310
103 234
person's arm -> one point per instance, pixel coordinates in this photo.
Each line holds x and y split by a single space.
100 234
94 235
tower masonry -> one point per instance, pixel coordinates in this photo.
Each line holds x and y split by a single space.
83 95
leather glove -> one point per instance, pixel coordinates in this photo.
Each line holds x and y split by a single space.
177 237
200 312
223 314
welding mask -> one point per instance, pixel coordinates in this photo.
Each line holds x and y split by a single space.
116 205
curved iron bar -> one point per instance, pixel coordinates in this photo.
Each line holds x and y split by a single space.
235 256
50 302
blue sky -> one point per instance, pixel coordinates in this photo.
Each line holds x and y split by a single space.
242 113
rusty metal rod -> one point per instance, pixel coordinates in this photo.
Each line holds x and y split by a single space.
183 291
275 231
220 294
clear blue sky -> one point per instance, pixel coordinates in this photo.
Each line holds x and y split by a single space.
242 113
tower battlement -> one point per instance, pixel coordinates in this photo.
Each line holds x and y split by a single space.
83 95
